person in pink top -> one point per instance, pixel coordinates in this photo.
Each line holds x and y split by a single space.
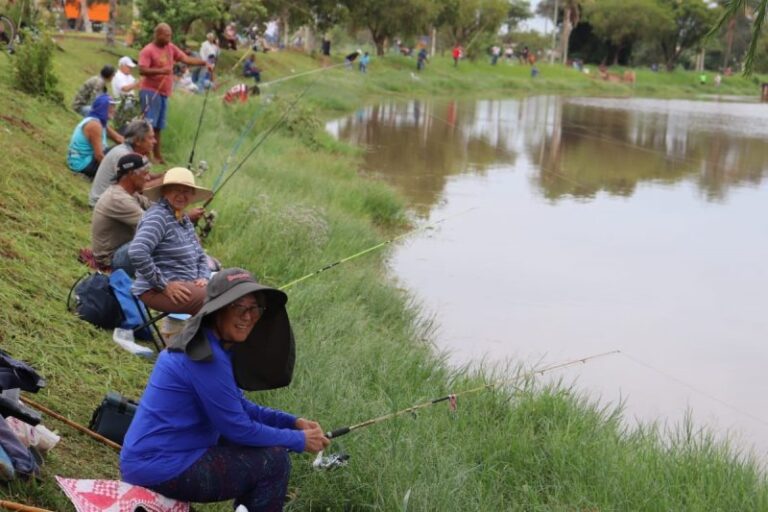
156 69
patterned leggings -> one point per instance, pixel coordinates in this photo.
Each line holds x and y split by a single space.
254 477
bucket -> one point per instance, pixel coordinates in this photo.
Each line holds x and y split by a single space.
46 439
173 324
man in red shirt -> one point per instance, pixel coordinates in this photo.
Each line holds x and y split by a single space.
156 69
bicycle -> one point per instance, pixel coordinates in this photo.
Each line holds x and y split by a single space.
8 34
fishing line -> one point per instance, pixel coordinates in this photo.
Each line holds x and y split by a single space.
237 145
372 248
264 137
694 389
451 398
297 75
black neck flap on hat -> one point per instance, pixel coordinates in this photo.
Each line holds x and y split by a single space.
264 361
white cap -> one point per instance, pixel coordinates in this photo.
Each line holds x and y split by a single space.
126 61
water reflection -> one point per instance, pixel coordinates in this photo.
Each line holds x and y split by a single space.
597 225
418 145
580 147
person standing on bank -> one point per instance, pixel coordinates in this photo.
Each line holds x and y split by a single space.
156 69
195 437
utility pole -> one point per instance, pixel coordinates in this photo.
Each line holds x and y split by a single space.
554 33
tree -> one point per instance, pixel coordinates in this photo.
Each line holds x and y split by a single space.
568 14
466 19
693 19
622 22
326 13
111 23
180 14
755 9
519 10
386 18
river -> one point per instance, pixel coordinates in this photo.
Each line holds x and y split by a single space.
576 226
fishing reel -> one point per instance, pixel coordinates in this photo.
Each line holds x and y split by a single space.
202 166
332 461
205 224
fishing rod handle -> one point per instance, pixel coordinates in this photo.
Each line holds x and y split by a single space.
338 432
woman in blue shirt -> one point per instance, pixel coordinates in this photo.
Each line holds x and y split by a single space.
195 436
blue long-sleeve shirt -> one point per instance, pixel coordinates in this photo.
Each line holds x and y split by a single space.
165 249
186 408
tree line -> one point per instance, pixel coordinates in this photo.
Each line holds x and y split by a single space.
715 34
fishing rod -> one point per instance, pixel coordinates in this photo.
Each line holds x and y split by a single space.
152 99
252 123
452 397
20 507
67 421
237 145
372 248
199 124
264 137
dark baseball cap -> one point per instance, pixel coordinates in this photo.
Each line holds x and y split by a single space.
130 162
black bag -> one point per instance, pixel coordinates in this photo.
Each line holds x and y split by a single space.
95 301
113 417
20 411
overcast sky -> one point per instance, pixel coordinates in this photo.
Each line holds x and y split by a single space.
537 23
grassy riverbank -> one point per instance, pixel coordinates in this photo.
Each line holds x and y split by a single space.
362 351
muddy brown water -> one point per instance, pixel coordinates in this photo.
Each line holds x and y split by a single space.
594 225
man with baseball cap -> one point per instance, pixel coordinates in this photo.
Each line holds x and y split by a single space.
118 211
124 83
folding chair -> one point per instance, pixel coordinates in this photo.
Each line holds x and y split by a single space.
151 321
150 324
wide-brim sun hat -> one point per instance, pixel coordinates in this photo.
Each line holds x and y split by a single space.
265 360
178 176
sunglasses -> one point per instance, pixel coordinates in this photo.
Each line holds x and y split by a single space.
241 310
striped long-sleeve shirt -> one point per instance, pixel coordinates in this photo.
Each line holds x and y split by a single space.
165 249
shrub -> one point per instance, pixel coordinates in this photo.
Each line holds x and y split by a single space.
33 68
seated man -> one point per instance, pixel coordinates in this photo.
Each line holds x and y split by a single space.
139 138
117 213
89 138
91 88
250 69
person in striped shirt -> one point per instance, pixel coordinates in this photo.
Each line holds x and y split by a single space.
171 267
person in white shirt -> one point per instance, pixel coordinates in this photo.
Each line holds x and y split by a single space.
209 47
124 83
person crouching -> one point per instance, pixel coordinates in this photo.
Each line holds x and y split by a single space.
195 437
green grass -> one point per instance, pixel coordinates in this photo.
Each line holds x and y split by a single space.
363 348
